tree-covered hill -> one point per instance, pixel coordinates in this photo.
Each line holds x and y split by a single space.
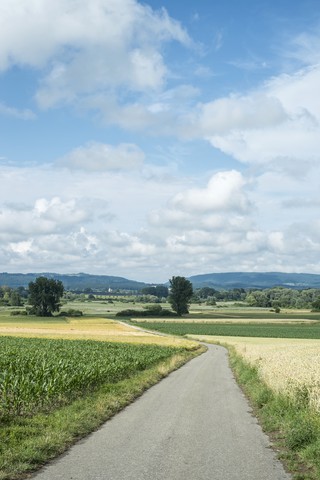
80 281
219 281
256 280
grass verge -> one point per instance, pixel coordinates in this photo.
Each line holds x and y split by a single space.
293 427
26 444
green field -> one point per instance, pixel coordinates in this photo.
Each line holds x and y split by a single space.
38 374
269 330
251 314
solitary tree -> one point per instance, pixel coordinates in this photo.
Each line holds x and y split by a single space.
45 295
181 292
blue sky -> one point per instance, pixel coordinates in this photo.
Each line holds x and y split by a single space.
160 138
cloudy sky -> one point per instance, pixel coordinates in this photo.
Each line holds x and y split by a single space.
161 138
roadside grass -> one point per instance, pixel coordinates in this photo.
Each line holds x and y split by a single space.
293 427
28 442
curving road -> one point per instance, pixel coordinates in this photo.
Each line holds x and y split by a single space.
193 425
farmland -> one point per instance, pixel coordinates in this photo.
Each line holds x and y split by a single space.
38 374
288 366
263 329
88 328
276 360
98 359
61 377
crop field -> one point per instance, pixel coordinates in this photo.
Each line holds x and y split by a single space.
288 366
269 330
62 377
41 373
243 311
83 328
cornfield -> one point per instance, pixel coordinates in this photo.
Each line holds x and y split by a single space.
38 374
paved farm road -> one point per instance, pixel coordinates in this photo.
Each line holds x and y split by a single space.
193 425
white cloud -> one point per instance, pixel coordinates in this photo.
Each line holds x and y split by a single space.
223 192
102 157
158 112
87 46
237 113
43 218
149 228
277 124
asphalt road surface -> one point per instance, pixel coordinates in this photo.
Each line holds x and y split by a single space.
193 425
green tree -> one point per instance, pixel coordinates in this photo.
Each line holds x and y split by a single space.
206 292
316 305
159 291
45 295
180 295
15 299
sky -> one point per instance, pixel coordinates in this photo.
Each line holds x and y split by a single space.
147 140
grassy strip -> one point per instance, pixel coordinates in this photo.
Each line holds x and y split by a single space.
28 443
268 330
293 427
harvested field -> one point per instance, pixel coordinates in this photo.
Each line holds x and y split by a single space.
89 329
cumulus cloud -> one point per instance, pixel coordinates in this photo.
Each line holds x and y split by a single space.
238 112
276 124
99 157
223 192
183 227
87 46
44 217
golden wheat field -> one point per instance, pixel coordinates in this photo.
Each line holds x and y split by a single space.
289 366
94 328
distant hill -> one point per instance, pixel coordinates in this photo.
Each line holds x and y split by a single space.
79 281
256 280
226 281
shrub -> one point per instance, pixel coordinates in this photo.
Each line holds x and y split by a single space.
150 311
71 313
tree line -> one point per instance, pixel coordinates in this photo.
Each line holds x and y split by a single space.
44 296
277 297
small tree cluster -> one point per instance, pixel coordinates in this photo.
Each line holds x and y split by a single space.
10 296
160 291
